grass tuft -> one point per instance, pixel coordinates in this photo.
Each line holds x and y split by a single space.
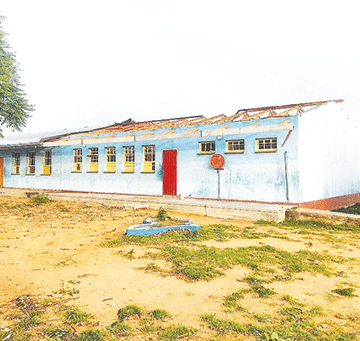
74 315
175 333
347 292
41 199
127 311
90 335
160 314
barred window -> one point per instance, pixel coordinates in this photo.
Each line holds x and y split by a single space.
47 162
77 160
16 163
129 159
93 159
207 147
235 146
31 163
110 159
266 145
149 159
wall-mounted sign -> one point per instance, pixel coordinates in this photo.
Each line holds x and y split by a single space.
217 161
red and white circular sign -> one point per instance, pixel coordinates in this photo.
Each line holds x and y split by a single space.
217 161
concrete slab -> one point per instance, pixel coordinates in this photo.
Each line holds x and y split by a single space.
212 208
335 218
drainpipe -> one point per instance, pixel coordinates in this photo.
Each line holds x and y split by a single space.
286 177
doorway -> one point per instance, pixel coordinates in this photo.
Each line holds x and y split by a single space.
170 172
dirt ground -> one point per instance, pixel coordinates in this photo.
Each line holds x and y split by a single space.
59 245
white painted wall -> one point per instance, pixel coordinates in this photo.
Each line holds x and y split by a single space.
328 153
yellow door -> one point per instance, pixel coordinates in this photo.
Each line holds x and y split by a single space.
1 171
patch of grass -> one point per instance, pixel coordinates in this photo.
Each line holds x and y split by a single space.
301 329
262 318
217 232
66 290
297 314
30 319
196 272
262 291
147 325
354 209
128 255
160 314
292 301
175 333
127 311
90 335
231 300
120 329
58 333
223 326
41 199
153 267
263 222
319 226
204 263
74 315
347 292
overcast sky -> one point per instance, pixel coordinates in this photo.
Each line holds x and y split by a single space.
89 63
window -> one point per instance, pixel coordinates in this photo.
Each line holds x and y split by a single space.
129 159
110 160
93 160
207 147
77 160
266 145
149 159
235 146
31 163
16 163
47 162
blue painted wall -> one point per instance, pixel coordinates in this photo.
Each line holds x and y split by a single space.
246 176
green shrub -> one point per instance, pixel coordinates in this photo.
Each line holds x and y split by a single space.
160 314
347 292
162 214
127 311
41 199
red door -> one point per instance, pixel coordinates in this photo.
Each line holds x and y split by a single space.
169 172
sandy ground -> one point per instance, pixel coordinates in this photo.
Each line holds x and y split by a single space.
58 246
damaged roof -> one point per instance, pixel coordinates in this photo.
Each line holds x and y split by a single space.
240 115
37 140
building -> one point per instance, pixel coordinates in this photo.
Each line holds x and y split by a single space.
305 154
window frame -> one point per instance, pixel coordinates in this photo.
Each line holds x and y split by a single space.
93 160
129 159
110 154
77 160
149 158
205 152
262 146
16 163
47 165
235 151
31 163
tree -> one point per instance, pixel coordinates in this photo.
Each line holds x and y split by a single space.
14 107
